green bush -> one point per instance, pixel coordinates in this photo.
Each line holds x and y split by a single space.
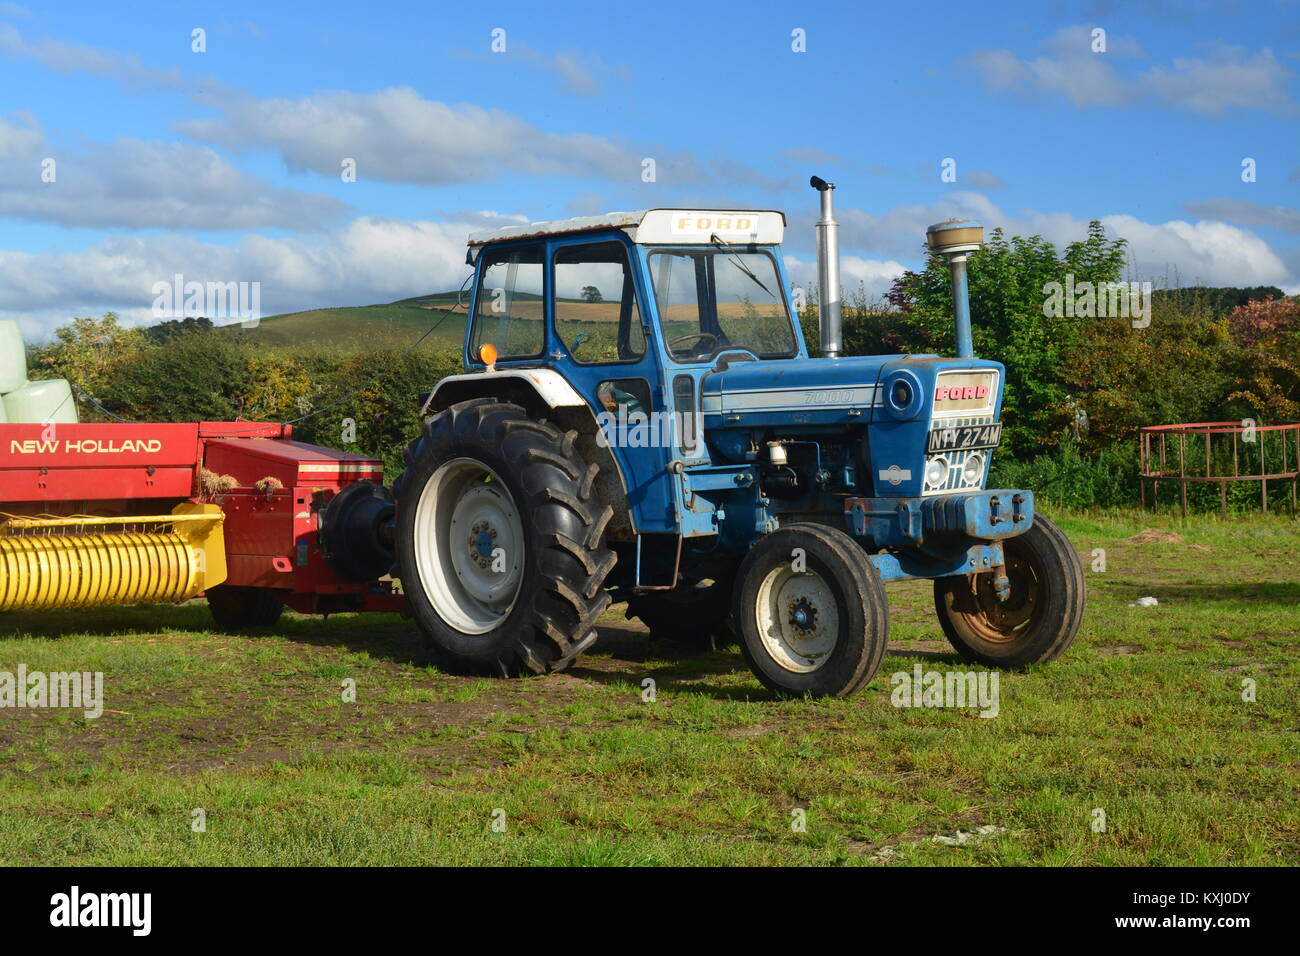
1067 478
366 403
374 399
196 377
1008 279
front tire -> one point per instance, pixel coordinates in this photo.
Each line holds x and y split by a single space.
500 541
811 612
1039 619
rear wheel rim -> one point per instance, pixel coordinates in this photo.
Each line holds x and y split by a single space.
469 546
798 619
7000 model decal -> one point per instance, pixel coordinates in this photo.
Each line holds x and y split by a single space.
965 438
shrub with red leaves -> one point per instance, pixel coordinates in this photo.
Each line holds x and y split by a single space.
1265 321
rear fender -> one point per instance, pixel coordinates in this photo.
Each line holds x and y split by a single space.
547 394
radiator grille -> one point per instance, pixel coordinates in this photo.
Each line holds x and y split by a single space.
957 459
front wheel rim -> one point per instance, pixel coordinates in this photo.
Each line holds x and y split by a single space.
798 619
1005 622
469 546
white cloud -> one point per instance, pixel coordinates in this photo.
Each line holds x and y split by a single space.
1231 78
1205 251
1227 78
1072 41
579 73
873 276
136 184
369 260
983 179
395 135
22 139
897 233
1072 70
1247 212
398 136
78 58
373 259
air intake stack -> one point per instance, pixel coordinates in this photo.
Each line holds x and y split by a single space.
955 240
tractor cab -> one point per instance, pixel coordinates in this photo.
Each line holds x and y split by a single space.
630 312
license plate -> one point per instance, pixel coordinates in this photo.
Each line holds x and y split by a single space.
965 437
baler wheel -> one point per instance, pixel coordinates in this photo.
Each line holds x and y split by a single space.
811 612
501 540
237 609
1040 617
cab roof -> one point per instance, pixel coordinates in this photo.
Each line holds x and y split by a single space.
656 227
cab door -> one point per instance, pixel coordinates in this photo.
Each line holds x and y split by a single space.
601 340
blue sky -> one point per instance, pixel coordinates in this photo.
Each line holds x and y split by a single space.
224 165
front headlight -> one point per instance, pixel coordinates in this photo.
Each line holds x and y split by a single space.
973 470
936 472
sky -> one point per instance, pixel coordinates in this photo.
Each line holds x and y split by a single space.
134 149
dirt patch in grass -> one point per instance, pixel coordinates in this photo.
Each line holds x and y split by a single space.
1154 536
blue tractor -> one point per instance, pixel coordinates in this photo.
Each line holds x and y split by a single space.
639 419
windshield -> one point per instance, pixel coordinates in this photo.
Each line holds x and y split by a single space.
720 298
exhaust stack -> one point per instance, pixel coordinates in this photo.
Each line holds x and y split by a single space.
954 240
828 273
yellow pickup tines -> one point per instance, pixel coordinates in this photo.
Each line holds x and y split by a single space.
160 559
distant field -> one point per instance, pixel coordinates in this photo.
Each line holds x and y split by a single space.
363 327
1143 719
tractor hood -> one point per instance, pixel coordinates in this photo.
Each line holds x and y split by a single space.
848 391
793 392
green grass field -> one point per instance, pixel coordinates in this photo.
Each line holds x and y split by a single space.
1143 719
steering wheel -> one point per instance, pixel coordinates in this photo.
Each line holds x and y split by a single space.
713 344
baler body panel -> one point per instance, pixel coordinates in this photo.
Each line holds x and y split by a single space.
263 490
45 463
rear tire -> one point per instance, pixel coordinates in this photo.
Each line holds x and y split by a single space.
820 631
500 540
236 608
1040 618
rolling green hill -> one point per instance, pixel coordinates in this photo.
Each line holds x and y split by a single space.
367 327
363 327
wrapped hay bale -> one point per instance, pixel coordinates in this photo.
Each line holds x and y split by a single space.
41 403
13 357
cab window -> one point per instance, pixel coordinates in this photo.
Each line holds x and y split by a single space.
721 298
596 313
509 306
